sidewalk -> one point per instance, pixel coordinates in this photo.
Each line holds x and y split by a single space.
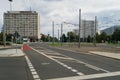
106 54
11 53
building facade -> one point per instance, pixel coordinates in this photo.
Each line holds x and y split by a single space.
26 23
87 29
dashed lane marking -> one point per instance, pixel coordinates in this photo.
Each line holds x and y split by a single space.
32 69
34 73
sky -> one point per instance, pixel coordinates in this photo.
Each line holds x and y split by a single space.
107 11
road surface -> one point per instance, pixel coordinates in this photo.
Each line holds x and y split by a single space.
56 64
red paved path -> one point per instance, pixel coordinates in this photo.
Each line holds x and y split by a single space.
26 47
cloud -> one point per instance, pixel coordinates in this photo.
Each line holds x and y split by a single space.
66 10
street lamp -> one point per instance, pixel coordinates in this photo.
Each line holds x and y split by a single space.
4 36
10 4
53 32
79 26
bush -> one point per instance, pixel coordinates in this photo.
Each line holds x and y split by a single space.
7 43
1 43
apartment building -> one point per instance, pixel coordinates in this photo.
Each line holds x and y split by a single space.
87 29
26 23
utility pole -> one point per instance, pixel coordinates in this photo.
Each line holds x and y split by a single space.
53 32
4 36
61 33
48 37
58 35
10 4
79 26
94 41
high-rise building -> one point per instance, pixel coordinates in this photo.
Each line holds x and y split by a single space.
25 23
87 29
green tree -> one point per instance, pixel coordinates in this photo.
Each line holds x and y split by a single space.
98 38
89 39
64 38
116 35
1 36
103 36
16 34
70 36
8 37
43 38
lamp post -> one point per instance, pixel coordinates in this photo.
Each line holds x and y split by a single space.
94 41
58 35
79 26
53 32
4 36
61 33
10 4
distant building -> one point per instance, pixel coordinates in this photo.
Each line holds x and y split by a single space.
87 29
110 30
26 23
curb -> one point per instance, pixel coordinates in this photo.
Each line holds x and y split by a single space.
105 56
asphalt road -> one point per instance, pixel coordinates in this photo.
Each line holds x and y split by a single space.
56 64
14 68
47 63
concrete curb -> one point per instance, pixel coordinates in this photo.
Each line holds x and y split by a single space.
106 54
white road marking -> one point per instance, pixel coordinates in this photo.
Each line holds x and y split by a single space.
64 65
34 73
32 69
87 64
79 73
62 57
36 76
92 76
74 70
69 67
37 79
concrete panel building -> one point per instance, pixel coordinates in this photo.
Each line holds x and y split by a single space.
87 29
26 23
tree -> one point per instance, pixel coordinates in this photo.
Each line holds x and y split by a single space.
1 36
89 39
8 37
103 36
71 36
98 38
116 35
43 37
64 38
16 34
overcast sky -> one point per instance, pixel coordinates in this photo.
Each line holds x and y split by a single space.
108 11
